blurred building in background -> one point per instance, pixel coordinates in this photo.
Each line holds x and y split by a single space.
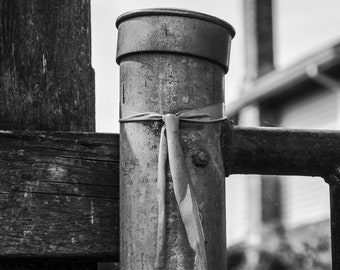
266 212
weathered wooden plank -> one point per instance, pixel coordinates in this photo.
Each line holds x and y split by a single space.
59 195
47 83
279 151
59 191
48 265
46 78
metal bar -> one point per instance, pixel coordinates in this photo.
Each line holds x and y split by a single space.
334 189
335 224
279 151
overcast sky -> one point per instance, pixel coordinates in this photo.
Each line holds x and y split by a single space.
301 26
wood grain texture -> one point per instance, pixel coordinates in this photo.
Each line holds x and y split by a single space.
55 198
25 265
46 78
59 195
59 190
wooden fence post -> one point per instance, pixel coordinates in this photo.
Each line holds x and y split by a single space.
46 83
170 61
46 77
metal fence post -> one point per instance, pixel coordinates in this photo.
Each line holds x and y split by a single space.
170 61
334 191
335 224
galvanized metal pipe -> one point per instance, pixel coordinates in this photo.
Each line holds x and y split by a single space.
280 151
334 191
170 61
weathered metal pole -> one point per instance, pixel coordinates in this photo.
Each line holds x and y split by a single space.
335 224
334 191
170 61
280 151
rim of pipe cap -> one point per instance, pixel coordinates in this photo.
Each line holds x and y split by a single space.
175 12
209 37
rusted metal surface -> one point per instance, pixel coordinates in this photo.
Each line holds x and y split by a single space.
334 190
176 31
279 151
333 180
160 75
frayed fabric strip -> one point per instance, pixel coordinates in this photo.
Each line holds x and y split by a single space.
183 187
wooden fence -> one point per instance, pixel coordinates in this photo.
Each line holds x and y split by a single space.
60 187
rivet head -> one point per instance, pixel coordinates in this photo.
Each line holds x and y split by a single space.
200 158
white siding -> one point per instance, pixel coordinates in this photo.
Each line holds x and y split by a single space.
244 196
306 199
318 110
237 209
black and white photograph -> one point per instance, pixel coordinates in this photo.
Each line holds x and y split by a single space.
169 135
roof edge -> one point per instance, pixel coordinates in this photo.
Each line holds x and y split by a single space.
278 81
